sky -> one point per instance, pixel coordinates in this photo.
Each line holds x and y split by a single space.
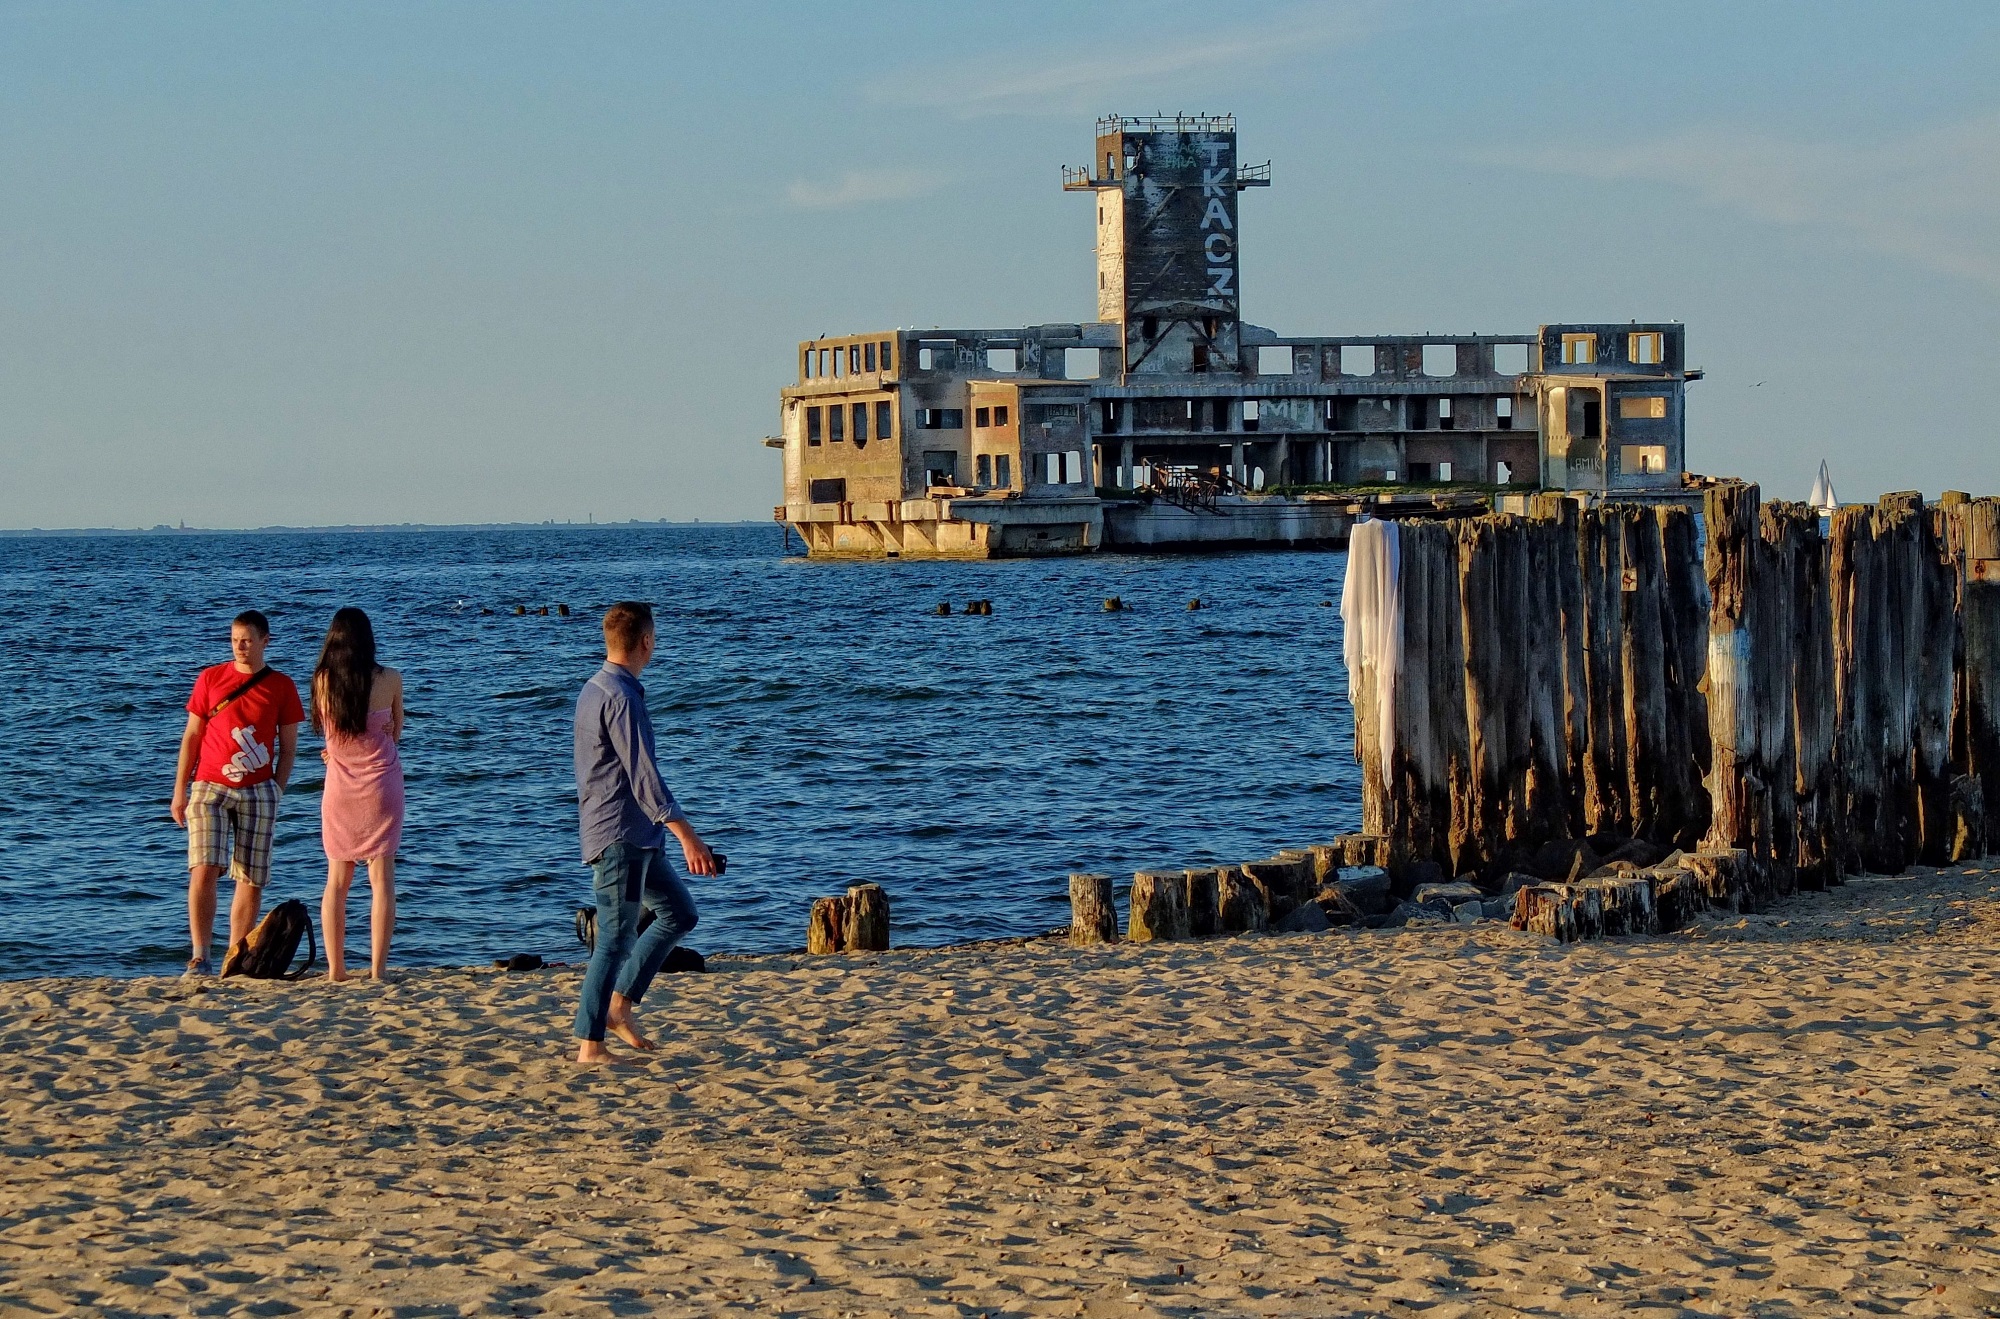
323 264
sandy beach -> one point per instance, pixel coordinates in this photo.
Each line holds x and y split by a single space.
1778 1115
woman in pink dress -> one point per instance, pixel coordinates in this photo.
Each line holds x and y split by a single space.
357 705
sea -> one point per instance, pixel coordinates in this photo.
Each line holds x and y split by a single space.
821 723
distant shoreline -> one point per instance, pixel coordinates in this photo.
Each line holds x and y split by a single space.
162 530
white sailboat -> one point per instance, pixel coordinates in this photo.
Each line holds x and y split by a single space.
1822 496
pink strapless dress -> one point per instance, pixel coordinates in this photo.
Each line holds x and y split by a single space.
361 811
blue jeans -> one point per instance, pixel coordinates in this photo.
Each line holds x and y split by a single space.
625 878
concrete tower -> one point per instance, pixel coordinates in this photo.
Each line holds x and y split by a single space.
1168 239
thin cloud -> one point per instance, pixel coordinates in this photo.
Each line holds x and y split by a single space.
862 187
1930 197
1065 83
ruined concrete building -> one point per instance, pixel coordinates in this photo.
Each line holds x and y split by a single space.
1169 420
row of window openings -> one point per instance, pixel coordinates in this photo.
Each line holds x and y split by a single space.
848 360
1632 407
1078 363
836 427
1642 348
1218 413
1057 468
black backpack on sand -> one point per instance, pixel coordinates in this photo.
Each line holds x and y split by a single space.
267 954
680 960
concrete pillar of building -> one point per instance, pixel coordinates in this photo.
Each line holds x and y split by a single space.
1125 465
1402 458
1281 463
1239 470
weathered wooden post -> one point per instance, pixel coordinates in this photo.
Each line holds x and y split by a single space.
823 928
866 928
1159 906
1093 917
1684 623
1980 720
1752 782
1939 645
1241 902
1793 531
1876 580
1204 903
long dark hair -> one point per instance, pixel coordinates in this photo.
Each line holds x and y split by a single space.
345 675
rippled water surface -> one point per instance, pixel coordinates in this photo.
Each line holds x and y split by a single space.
818 721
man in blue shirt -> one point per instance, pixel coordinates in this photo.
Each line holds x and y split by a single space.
625 812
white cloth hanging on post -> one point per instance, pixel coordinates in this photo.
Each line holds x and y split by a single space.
1371 612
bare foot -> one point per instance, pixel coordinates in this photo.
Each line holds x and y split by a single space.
336 976
627 1030
592 1053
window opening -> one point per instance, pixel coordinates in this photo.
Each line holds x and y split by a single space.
1593 418
1503 473
883 421
1110 417
1201 357
1219 414
839 363
1643 459
1000 415
941 466
836 424
1252 414
1440 359
1073 467
1643 407
1503 413
822 362
806 365
1150 327
812 427
1052 468
854 359
1080 364
1510 359
983 469
1003 470
1444 414
868 357
883 357
1647 348
1357 359
1444 471
860 425
827 490
982 417
1579 349
924 358
1003 359
1275 361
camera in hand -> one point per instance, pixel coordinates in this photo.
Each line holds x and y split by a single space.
721 863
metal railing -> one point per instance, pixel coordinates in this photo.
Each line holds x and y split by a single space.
1166 123
1191 488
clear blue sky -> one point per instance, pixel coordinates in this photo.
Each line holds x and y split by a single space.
444 262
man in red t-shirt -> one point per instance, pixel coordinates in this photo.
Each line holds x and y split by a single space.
241 738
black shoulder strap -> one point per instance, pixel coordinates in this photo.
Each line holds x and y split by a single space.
241 688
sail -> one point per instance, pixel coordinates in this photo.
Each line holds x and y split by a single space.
1823 497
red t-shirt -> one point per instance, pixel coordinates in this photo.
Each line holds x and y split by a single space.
240 745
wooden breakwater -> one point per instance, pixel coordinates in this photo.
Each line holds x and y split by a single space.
1792 704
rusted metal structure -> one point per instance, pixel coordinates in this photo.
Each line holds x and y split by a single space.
1058 438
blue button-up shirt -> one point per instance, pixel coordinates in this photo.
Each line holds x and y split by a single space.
620 795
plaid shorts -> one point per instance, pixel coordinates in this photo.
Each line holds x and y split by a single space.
218 815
